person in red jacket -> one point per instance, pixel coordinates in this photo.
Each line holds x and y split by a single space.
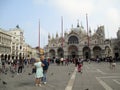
80 64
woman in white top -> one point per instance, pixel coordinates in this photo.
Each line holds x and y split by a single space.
39 71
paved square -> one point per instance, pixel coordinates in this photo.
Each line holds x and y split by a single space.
94 76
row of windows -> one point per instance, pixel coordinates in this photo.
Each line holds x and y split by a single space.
5 50
5 40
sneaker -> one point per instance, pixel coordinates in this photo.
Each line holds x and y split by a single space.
44 82
39 85
36 84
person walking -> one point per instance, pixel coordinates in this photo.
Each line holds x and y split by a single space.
110 61
45 68
80 64
3 65
20 66
62 61
39 71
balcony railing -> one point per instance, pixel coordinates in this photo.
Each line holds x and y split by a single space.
75 42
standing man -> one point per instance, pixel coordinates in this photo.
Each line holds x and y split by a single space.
20 66
45 68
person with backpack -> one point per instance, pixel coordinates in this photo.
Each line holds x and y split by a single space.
45 68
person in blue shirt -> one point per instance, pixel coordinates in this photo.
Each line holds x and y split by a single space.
45 68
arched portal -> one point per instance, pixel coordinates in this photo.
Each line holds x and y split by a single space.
116 52
52 53
16 57
5 57
12 57
2 57
97 52
73 51
20 55
8 57
60 53
107 51
86 52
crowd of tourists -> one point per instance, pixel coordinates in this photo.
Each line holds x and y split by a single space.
16 67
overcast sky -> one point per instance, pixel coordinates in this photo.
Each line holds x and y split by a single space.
26 13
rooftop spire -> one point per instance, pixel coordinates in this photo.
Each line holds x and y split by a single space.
72 26
56 34
49 35
82 25
78 23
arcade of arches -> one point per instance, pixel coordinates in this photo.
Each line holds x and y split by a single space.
5 57
73 52
8 57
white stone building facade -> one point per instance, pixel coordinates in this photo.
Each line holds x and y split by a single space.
17 42
82 44
13 45
5 44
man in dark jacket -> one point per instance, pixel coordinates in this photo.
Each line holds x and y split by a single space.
20 65
45 68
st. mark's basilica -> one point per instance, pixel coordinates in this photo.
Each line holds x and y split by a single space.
81 43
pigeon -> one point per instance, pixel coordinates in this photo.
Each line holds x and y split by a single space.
29 73
69 73
4 83
12 71
51 73
5 73
6 70
12 76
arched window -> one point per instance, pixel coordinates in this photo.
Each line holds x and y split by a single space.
73 40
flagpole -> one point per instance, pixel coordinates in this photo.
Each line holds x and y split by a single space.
39 37
87 28
62 29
